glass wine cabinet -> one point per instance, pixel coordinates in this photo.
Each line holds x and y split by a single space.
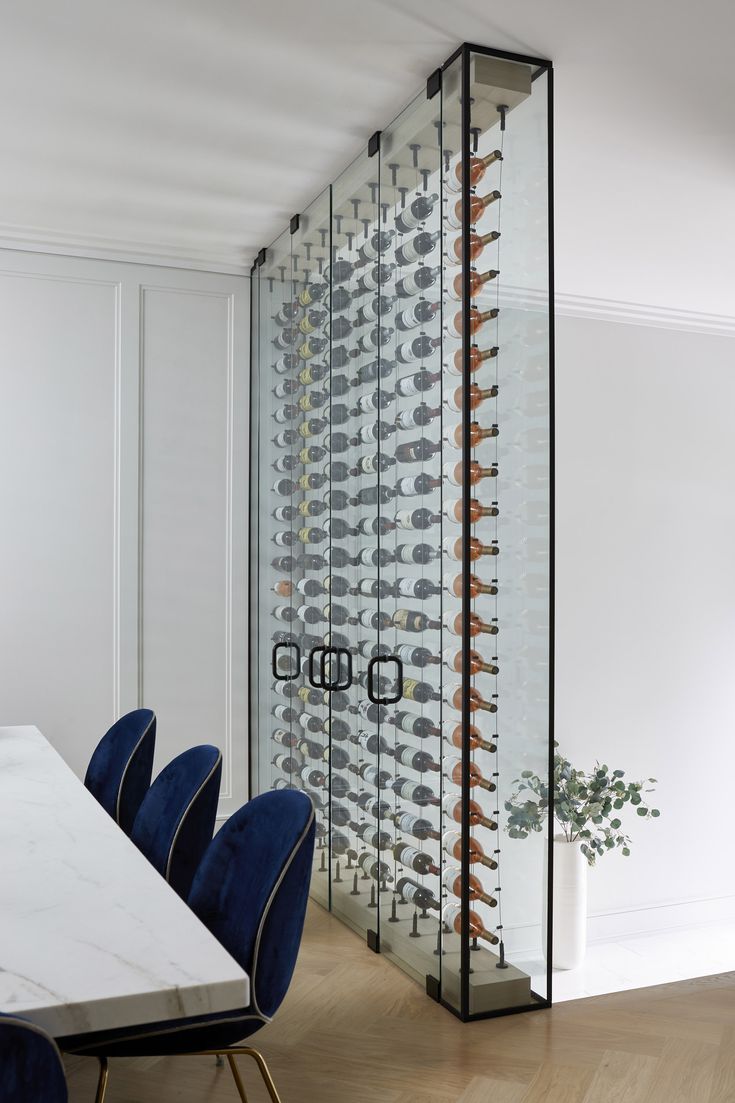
401 531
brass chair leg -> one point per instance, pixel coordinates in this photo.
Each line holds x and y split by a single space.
259 1059
102 1082
237 1078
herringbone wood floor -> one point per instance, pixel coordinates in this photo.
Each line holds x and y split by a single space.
353 1029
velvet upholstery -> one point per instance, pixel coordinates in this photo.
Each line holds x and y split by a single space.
251 891
119 771
176 820
30 1064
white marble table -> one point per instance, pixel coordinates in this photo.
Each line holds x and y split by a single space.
91 937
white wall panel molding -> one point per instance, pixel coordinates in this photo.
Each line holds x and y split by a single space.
84 340
147 253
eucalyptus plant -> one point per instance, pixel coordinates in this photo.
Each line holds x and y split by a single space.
585 806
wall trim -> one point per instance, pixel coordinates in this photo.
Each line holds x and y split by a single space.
173 256
613 926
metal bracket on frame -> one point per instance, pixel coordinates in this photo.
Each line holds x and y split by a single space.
434 84
294 223
433 988
373 941
260 259
374 143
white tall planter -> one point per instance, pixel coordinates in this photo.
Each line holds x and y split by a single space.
570 904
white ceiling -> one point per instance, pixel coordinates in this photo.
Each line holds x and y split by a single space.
195 128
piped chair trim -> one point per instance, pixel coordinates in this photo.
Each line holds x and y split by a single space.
186 812
131 759
186 1024
299 843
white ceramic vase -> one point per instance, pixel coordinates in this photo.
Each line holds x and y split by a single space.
570 904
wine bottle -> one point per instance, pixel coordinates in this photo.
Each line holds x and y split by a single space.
454 548
284 513
287 313
419 246
310 723
413 485
285 563
285 363
373 620
455 366
453 623
419 691
312 320
370 742
338 471
417 383
312 777
453 584
374 369
478 167
416 451
417 349
453 473
413 283
312 427
453 510
375 339
416 656
455 289
478 206
337 729
455 249
417 416
452 881
410 824
375 430
415 553
312 373
286 338
286 439
416 519
421 588
282 588
372 587
312 346
376 400
284 538
452 657
414 859
454 770
421 761
417 315
311 507
284 612
338 529
373 495
418 895
379 779
455 437
452 845
372 806
372 279
285 463
314 400
287 412
313 480
374 526
455 325
452 807
285 388
368 710
411 620
337 757
312 534
284 738
371 249
378 840
452 920
415 792
339 815
308 695
289 764
337 442
420 726
312 293
379 871
372 463
338 385
417 212
337 585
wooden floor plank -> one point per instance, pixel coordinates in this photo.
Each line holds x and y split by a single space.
354 1029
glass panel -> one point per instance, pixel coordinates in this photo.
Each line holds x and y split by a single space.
276 426
357 555
311 310
492 935
411 527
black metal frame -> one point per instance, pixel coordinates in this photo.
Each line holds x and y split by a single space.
541 65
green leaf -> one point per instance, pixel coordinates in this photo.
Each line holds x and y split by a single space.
626 852
655 812
615 823
642 811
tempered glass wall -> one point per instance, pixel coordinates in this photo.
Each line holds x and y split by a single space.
401 375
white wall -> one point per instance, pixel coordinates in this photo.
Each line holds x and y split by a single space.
123 496
646 603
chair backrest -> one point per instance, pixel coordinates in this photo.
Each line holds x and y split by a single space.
176 820
252 888
119 771
31 1068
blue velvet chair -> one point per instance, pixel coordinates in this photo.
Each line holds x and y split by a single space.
119 771
31 1069
251 892
176 820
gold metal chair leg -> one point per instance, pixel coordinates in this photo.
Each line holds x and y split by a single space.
102 1082
237 1078
259 1059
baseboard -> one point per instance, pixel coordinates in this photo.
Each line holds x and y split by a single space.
628 922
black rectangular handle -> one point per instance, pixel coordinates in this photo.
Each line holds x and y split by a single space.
310 672
375 697
330 685
286 646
